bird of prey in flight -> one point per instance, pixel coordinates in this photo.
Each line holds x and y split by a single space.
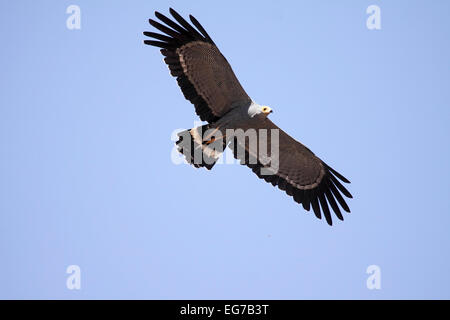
207 81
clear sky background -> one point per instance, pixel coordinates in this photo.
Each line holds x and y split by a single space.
86 177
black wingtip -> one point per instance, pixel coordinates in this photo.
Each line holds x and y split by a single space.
158 15
340 186
200 28
337 174
346 208
172 11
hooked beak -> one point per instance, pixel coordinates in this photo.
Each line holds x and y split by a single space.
267 111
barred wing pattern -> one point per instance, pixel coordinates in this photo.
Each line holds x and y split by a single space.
301 174
207 80
202 72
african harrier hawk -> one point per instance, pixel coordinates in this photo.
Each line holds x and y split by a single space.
207 80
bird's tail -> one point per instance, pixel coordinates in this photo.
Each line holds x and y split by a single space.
202 146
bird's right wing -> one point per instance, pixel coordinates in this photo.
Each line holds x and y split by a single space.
202 72
299 172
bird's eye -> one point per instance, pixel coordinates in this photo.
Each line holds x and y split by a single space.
264 109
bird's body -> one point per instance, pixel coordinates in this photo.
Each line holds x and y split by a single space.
240 116
234 119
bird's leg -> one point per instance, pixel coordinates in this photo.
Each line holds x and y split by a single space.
210 139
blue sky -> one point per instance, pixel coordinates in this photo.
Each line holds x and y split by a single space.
86 177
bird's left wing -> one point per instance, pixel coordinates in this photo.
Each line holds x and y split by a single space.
202 72
300 173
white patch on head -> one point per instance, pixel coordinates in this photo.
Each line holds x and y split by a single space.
254 109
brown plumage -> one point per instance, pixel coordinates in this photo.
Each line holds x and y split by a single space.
202 72
207 80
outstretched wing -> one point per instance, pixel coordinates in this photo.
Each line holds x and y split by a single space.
301 174
202 72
